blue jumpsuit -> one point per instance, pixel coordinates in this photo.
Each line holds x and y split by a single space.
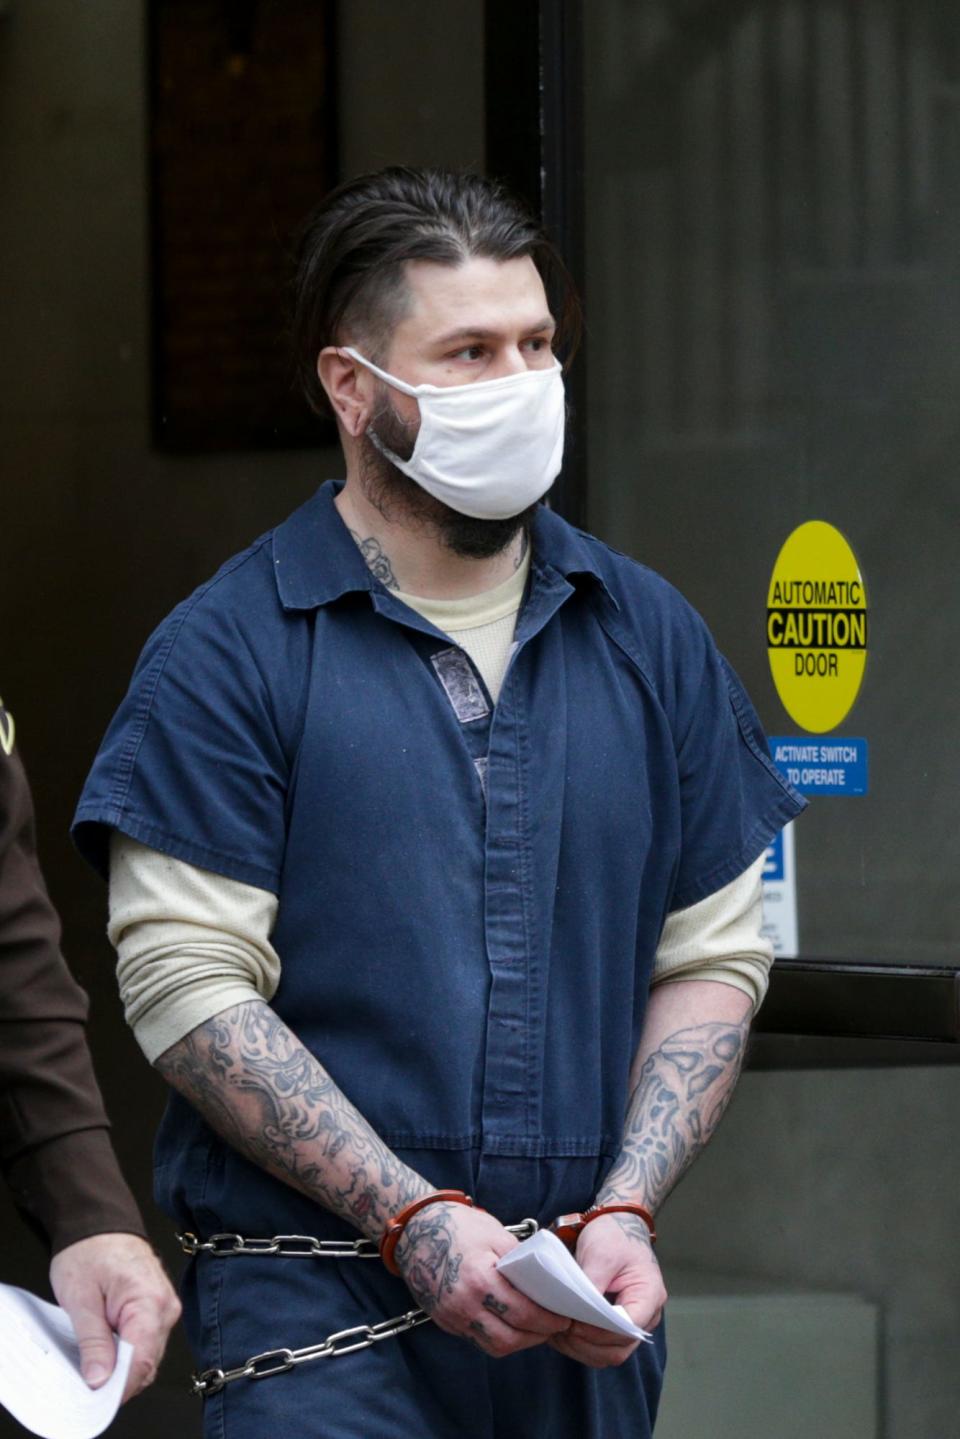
470 898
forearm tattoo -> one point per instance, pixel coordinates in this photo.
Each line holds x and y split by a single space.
263 1092
377 561
683 1090
428 1256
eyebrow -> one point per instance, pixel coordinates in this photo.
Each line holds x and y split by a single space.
479 332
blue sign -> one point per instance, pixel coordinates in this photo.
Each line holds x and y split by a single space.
828 765
773 860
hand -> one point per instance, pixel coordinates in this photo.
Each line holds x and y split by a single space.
447 1254
115 1282
615 1252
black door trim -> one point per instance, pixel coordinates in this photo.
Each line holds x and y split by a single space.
534 142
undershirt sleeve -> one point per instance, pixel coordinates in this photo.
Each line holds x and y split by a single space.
719 938
190 943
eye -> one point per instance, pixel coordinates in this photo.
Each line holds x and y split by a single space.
471 352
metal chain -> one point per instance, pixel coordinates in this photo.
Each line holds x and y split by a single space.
278 1361
335 1346
284 1246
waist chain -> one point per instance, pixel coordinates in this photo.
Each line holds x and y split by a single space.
335 1346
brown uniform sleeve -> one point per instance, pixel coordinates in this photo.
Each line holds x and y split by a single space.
55 1149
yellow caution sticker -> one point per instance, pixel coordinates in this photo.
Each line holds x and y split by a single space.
817 626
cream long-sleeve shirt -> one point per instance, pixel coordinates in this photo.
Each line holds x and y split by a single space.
191 943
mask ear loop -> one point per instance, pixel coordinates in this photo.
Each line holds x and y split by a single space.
388 379
371 434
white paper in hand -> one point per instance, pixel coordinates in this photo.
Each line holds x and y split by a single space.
544 1269
40 1379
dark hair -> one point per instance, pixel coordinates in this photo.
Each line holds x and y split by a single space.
354 246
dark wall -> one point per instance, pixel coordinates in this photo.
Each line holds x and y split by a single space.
99 535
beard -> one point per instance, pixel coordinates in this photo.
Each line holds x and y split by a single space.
402 501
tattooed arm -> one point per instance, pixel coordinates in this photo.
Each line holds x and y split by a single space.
269 1097
262 1091
682 1080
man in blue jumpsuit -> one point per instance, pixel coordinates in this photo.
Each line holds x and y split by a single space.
406 813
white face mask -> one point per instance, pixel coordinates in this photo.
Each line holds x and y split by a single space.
488 449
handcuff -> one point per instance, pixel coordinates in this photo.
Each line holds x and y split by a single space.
567 1228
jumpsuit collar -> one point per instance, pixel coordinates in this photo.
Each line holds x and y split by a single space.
315 560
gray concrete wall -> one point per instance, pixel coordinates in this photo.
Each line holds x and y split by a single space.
841 1181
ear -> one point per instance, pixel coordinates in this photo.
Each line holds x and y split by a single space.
349 388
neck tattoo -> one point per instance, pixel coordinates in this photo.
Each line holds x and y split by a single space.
376 560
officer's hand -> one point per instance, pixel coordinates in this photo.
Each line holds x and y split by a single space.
447 1254
615 1252
114 1282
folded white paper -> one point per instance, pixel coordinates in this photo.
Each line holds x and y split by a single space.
40 1379
543 1268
